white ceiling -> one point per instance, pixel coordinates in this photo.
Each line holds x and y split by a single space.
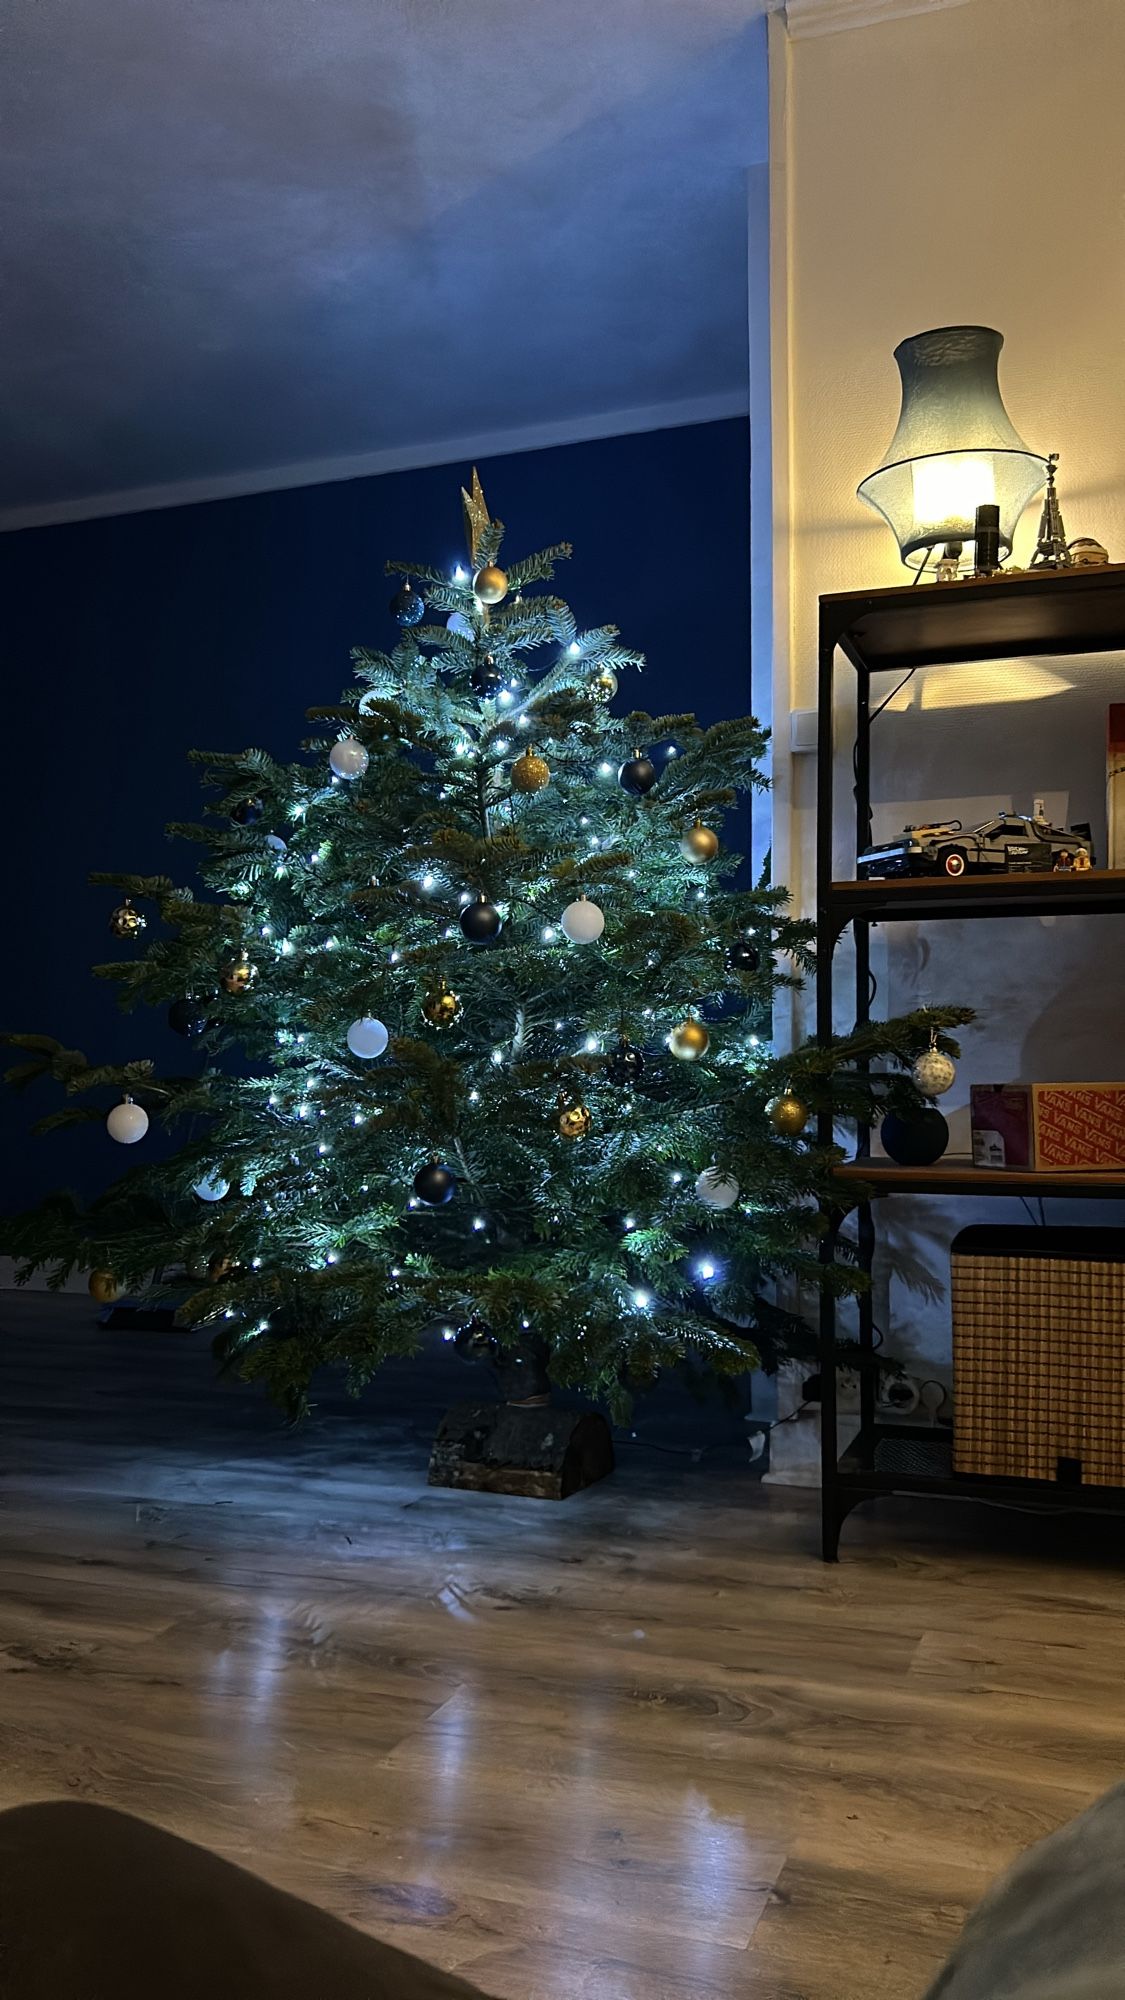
244 235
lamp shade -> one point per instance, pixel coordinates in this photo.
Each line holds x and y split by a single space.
954 448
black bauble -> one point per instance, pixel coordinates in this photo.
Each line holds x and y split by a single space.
435 1184
246 812
715 1007
481 921
626 1064
637 775
915 1142
187 1017
743 956
485 677
408 605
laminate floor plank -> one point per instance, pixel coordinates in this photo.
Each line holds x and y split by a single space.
639 1746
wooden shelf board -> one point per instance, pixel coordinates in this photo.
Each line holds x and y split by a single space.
1040 612
916 898
960 1177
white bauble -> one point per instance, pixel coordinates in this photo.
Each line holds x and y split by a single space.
582 921
348 758
933 1073
367 1038
275 841
715 1189
460 625
127 1122
211 1188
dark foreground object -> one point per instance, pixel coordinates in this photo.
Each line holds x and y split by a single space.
543 1453
95 1905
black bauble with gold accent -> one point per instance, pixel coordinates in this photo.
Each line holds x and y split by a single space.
574 1120
126 920
239 975
442 1007
625 1065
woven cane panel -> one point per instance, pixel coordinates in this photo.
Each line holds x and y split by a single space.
1039 1367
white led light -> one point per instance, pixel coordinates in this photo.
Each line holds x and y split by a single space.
672 751
675 1179
605 770
460 573
286 946
594 841
331 1258
753 1041
447 1333
428 881
559 1025
498 1057
705 1270
630 1222
358 1118
474 1097
591 1044
584 821
267 930
549 934
574 649
525 1322
522 722
255 1263
505 697
322 1148
503 745
396 1270
641 1300
478 1222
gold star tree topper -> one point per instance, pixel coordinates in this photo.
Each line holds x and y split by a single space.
474 508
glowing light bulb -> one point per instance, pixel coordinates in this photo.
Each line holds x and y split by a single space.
331 1258
286 947
478 1222
574 649
630 1222
505 697
447 1333
642 1300
605 770
705 1270
591 1044
675 1179
549 934
322 1148
428 881
474 1097
460 573
498 1057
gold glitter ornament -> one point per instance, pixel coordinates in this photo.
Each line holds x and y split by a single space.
603 684
490 584
574 1120
239 976
441 1007
530 772
787 1115
689 1040
125 921
699 843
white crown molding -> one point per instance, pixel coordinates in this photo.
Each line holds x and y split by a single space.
828 17
366 465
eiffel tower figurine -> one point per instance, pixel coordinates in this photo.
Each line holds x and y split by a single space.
1051 551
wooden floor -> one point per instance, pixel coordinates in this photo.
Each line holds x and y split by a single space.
639 1746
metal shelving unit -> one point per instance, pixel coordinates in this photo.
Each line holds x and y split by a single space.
1031 614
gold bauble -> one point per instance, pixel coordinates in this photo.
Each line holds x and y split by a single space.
699 843
125 921
530 772
574 1121
689 1039
490 584
441 1007
239 976
787 1114
102 1286
603 684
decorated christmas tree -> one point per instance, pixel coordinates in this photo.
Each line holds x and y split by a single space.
476 1008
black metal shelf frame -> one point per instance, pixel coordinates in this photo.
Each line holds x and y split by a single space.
1036 613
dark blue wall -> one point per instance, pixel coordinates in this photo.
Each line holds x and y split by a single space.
132 640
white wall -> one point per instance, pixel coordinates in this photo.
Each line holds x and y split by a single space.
963 165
